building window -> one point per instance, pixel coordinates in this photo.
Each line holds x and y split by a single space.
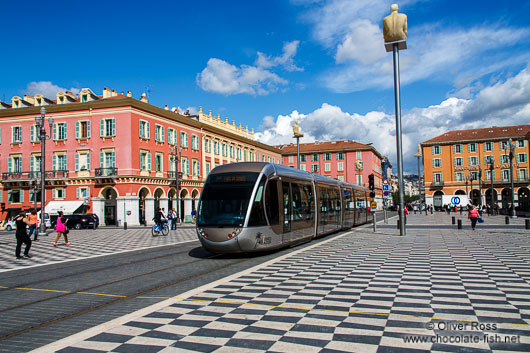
216 147
314 168
302 167
437 162
436 150
505 175
59 162
303 158
522 158
60 131
489 175
314 157
340 156
522 174
459 176
207 145
327 167
503 145
207 168
185 166
505 159
489 159
327 156
34 163
15 196
196 165
158 162
15 164
59 193
144 130
437 178
473 160
473 175
341 177
459 162
17 134
107 159
159 133
488 146
171 136
145 161
82 129
183 139
84 98
291 159
521 143
34 133
83 193
340 166
82 161
472 147
458 148
107 127
195 142
224 150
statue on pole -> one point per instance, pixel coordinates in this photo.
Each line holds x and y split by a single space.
395 25
296 130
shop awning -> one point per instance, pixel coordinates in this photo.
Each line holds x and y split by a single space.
68 207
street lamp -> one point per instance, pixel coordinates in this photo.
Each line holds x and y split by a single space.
512 148
418 155
176 158
297 134
491 162
480 185
39 121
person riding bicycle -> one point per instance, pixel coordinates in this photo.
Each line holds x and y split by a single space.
159 218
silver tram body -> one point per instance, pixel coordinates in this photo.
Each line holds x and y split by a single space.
257 206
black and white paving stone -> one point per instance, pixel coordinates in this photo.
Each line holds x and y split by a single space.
449 290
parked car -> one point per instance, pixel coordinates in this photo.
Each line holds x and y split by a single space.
11 225
82 220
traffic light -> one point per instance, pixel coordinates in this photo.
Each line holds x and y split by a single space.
371 184
372 194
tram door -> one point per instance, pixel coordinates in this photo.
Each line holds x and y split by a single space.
286 196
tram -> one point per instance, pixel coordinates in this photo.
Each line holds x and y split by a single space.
256 206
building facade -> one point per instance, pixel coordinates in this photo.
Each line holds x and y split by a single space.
476 163
348 161
115 154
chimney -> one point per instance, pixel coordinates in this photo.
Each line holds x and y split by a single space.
114 93
106 92
246 127
129 94
200 109
234 122
166 107
219 116
70 94
240 125
209 112
144 98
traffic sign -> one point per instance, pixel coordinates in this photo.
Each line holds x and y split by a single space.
373 205
386 193
386 187
385 181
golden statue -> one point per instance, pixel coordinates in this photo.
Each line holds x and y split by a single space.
395 25
358 165
296 130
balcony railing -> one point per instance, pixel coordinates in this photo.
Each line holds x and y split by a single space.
437 183
173 174
30 176
105 172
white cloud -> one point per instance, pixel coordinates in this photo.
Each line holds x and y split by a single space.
222 77
502 103
286 59
362 44
47 89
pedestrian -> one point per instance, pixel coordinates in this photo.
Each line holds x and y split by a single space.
473 216
22 236
33 222
159 218
61 229
173 219
193 213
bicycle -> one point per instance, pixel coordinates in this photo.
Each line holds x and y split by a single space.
164 230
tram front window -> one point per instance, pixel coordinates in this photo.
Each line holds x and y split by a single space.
225 199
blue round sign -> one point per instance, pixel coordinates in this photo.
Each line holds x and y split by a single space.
455 200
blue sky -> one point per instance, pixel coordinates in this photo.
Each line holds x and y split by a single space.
266 63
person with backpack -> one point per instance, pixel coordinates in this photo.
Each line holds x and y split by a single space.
22 236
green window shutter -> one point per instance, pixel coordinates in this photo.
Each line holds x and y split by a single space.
54 162
113 127
77 129
469 147
187 167
149 161
21 195
163 139
141 129
66 131
198 168
54 193
76 161
9 196
77 191
148 130
101 160
88 161
9 164
88 129
157 137
102 128
31 162
32 132
113 159
55 131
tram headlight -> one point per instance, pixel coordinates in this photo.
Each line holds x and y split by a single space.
201 233
235 233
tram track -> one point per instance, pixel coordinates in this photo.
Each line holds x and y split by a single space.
114 300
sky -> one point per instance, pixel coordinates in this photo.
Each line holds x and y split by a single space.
268 63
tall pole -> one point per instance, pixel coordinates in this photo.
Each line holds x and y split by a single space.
491 180
298 152
511 177
480 185
397 101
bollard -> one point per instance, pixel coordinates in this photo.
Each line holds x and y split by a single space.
454 219
527 223
124 225
507 220
398 224
459 224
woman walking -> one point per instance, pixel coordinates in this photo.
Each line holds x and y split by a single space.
22 236
33 221
473 216
61 229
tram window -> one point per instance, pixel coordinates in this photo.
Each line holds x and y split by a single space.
298 213
307 202
271 199
257 213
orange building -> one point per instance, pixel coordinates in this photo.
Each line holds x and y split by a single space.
474 164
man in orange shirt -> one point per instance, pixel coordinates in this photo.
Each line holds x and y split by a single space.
33 222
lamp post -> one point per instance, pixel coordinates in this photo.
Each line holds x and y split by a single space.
176 158
471 187
491 161
467 193
39 121
512 148
297 134
480 185
418 155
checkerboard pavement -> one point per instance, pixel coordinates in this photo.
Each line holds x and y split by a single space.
86 243
358 292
